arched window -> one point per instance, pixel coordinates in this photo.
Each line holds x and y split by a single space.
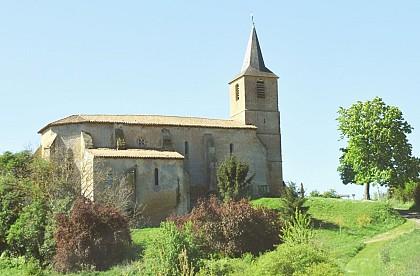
237 91
186 149
156 176
231 148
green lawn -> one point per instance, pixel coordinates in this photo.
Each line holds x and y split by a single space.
394 253
341 226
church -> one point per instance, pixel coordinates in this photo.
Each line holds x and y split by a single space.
171 161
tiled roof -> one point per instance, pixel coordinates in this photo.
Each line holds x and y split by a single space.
135 153
150 120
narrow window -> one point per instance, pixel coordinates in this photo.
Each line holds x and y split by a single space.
109 179
260 89
156 176
231 148
186 148
237 91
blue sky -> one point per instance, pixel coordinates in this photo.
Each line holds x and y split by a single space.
59 58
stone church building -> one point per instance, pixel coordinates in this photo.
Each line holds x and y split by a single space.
171 161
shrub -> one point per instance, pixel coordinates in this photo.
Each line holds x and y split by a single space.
234 228
172 252
226 266
314 193
330 194
92 236
12 197
26 235
409 192
232 179
299 229
291 202
293 259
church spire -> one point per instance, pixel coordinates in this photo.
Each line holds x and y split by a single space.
253 62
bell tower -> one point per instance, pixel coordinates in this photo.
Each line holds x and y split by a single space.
254 101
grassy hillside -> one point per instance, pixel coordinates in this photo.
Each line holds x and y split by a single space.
341 226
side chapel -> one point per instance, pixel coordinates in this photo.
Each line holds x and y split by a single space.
171 161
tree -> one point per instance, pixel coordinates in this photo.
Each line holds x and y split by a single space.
232 178
291 202
378 151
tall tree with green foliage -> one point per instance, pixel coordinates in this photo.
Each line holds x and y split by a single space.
232 178
378 151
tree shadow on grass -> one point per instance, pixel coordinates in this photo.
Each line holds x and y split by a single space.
320 224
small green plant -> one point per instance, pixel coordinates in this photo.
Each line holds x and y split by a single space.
298 229
340 221
364 220
173 252
293 259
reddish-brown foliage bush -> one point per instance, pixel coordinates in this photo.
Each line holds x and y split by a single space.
234 227
91 237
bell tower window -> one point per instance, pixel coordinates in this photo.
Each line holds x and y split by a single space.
156 176
237 91
260 89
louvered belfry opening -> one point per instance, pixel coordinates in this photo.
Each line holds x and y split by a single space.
260 89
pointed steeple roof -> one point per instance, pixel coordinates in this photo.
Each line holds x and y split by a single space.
253 64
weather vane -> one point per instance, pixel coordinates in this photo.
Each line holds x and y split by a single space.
252 18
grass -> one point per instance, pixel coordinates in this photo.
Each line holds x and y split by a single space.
341 226
392 253
402 255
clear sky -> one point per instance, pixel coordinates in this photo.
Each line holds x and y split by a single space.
59 58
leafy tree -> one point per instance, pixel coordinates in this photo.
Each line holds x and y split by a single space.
232 178
12 196
26 235
16 164
378 151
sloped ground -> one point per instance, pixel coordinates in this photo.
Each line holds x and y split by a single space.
375 258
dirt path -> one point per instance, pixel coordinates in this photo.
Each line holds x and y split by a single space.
414 216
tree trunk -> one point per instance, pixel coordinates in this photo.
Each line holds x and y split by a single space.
367 194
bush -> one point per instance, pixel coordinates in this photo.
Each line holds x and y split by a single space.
233 228
26 235
314 193
293 259
172 252
12 197
226 266
299 229
330 194
409 192
91 237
